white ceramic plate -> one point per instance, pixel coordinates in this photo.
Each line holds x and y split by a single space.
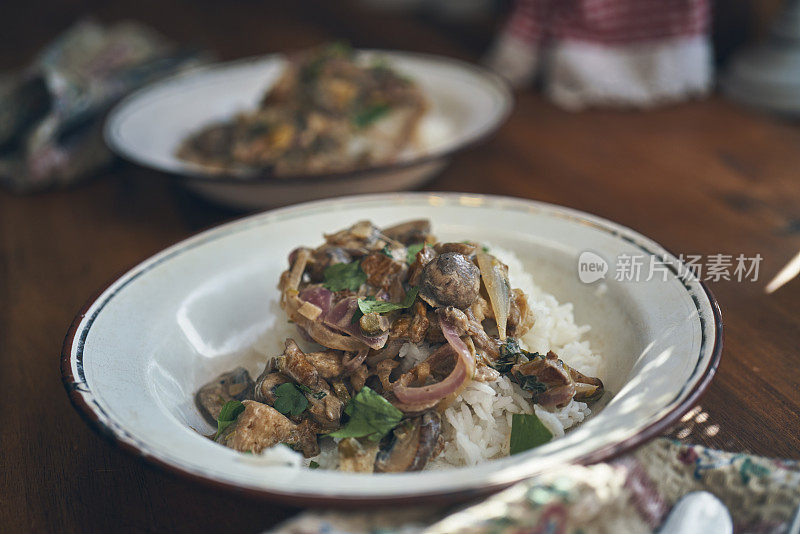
135 355
467 104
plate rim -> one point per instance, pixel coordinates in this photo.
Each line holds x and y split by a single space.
72 384
508 102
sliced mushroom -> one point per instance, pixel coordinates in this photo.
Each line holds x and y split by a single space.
547 379
357 455
266 384
467 249
554 383
587 388
361 238
450 280
421 260
328 363
419 323
233 385
324 407
412 445
556 396
455 317
340 390
373 324
295 365
520 318
488 345
410 232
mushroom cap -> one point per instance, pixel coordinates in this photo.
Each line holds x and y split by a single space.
210 398
450 280
412 445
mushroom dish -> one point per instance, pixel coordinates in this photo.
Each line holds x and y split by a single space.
331 110
399 326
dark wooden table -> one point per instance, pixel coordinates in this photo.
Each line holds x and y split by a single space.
701 178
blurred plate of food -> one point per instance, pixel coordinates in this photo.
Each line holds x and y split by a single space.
324 122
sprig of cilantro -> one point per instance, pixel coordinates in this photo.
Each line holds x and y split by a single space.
371 416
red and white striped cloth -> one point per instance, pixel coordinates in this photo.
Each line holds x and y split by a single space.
608 52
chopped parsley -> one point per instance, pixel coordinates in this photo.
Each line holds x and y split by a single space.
227 415
289 400
341 276
313 465
527 432
370 416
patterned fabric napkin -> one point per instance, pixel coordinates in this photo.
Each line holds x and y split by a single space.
51 113
636 53
631 494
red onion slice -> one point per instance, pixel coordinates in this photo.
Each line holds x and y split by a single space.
463 370
318 296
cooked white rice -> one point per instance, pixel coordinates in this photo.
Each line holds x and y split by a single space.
477 426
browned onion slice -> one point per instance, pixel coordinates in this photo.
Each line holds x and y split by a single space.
495 278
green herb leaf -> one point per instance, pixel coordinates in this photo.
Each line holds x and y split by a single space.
371 416
372 305
412 250
370 114
313 465
527 432
289 400
341 276
227 415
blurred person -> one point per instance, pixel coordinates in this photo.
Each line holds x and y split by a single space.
633 53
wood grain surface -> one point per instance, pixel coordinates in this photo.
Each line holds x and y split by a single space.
704 177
